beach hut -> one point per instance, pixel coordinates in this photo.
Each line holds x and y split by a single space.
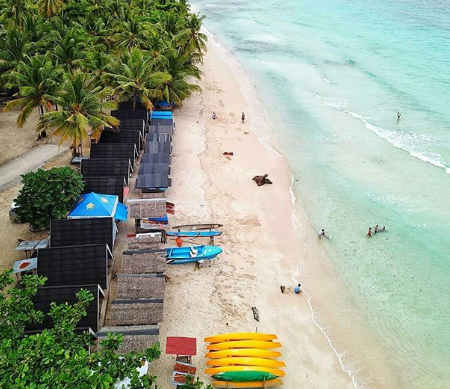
142 263
75 265
161 129
156 158
140 286
135 338
145 208
122 114
153 182
152 147
107 185
107 167
76 232
67 294
128 136
98 205
114 150
136 312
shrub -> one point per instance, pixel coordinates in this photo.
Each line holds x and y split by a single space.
47 195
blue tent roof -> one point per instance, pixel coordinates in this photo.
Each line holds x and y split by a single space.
98 205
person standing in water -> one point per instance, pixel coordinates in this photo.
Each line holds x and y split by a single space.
322 233
376 229
399 115
369 233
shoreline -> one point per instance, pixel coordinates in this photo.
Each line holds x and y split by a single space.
258 241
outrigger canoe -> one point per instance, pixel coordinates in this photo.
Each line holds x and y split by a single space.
245 361
244 373
191 254
239 336
197 227
244 352
252 384
194 234
244 344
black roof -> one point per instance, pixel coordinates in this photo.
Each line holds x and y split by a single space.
128 114
158 147
153 181
74 265
114 150
155 157
161 122
161 129
105 185
106 167
74 232
128 106
66 294
156 137
151 168
131 136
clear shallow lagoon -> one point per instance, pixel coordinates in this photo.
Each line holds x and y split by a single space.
333 74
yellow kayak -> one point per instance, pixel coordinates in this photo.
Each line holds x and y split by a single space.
223 369
262 384
245 361
244 352
239 336
244 344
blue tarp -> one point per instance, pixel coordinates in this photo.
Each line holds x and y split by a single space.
165 103
162 114
98 205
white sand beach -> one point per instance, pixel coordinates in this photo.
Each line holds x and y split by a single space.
261 248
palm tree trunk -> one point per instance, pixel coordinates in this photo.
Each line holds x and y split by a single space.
43 133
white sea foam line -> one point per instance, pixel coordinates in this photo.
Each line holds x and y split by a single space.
351 374
428 157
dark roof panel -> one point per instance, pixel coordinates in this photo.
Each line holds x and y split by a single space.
74 265
155 157
75 232
152 168
105 185
114 150
132 136
106 167
66 294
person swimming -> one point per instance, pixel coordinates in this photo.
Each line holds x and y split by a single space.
322 233
399 115
376 229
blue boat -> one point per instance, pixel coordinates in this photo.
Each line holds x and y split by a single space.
191 254
194 234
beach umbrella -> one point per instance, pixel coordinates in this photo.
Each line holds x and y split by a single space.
98 205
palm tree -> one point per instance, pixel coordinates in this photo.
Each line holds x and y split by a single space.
180 68
71 49
134 33
135 79
14 10
14 48
37 80
82 111
50 7
190 39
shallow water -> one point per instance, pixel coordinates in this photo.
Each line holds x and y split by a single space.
332 76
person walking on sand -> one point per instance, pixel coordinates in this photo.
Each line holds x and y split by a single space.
243 117
369 233
214 116
399 115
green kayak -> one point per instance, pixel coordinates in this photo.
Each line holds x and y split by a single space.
244 376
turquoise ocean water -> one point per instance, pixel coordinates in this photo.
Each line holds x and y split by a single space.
332 75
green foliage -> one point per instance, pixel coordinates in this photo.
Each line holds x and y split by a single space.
47 195
59 357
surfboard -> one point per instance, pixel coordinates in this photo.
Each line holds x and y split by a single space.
244 352
239 336
244 344
245 361
254 384
244 373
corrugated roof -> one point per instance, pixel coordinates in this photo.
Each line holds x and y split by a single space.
106 167
131 136
105 185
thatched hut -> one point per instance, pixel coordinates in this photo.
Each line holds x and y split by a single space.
135 338
140 286
145 208
146 240
136 312
143 263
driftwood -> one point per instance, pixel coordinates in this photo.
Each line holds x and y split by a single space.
255 313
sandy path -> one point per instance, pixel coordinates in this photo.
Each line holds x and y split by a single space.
10 172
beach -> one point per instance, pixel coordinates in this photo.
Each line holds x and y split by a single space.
262 251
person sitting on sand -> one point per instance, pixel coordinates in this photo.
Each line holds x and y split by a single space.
261 180
214 116
298 289
369 233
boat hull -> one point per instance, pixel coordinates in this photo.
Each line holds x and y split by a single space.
244 352
183 253
244 373
261 344
245 361
239 336
252 384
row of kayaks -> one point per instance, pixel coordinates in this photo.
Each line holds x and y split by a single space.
244 360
